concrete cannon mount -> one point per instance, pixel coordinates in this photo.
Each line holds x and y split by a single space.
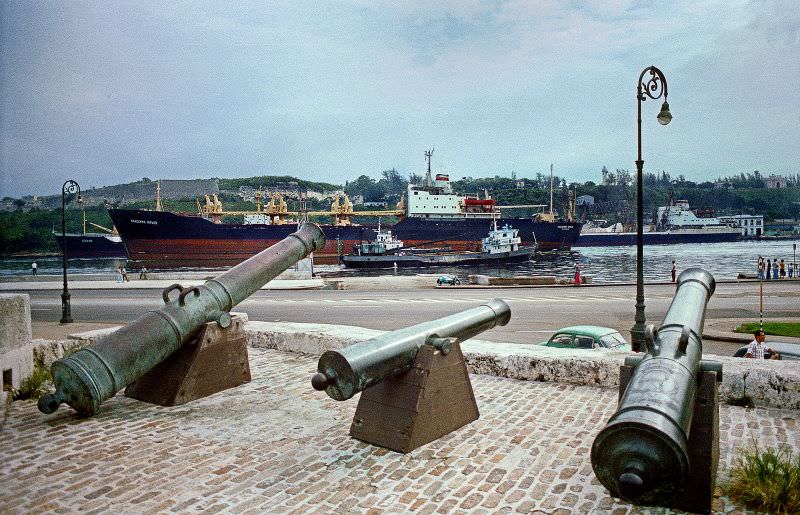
275 445
16 350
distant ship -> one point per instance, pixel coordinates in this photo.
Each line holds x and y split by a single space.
92 244
433 213
676 224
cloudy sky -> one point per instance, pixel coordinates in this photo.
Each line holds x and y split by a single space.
107 92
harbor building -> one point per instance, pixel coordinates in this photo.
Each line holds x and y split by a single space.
752 226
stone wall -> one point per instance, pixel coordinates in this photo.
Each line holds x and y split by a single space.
16 356
774 384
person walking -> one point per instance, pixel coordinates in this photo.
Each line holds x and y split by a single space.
674 270
775 269
769 270
119 274
783 269
34 268
577 275
757 348
760 268
124 274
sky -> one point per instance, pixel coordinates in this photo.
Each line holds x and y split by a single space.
109 92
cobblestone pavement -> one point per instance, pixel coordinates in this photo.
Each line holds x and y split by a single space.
275 445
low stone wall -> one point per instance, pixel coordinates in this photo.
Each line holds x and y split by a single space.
768 383
774 384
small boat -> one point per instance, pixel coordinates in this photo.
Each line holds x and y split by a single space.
500 246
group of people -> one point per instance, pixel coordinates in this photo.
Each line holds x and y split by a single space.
773 270
122 275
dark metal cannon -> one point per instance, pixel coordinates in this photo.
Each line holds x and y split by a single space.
93 374
643 454
414 381
343 373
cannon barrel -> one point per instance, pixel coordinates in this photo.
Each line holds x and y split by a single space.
93 374
641 454
343 373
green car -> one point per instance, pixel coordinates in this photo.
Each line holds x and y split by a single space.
588 337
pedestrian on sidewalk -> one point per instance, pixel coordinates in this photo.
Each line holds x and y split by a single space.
769 269
674 270
143 273
775 269
760 268
124 274
783 269
791 270
577 275
34 268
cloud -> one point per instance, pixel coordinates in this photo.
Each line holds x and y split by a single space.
109 92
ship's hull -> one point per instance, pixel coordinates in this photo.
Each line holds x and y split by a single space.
465 234
91 246
163 240
434 259
656 238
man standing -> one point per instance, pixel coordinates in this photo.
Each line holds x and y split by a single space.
757 347
674 270
34 268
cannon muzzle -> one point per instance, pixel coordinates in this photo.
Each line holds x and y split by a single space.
641 455
93 374
343 373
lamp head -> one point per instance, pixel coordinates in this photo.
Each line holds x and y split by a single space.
664 117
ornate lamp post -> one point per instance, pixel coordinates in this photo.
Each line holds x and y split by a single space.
654 86
69 188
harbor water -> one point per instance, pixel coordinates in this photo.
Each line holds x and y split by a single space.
603 264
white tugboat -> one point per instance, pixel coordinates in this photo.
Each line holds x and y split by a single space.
500 246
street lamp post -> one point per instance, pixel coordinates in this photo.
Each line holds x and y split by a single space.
654 86
69 188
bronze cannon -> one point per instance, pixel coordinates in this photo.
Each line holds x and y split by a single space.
414 381
343 373
96 373
642 454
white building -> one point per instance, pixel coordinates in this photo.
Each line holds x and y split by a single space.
750 225
776 181
584 200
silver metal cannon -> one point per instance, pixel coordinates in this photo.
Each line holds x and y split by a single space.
93 374
642 455
414 381
343 373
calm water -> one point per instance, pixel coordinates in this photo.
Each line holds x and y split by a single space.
604 264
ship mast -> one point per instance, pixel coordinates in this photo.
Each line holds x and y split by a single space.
158 196
551 189
428 154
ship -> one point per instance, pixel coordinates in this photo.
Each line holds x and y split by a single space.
92 244
166 240
431 214
499 247
676 224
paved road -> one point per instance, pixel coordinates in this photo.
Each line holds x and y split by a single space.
536 312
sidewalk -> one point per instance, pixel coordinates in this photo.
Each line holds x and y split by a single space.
159 284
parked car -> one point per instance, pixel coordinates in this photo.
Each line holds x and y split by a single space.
786 350
448 279
587 337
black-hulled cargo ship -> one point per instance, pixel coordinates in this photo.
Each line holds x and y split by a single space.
92 245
